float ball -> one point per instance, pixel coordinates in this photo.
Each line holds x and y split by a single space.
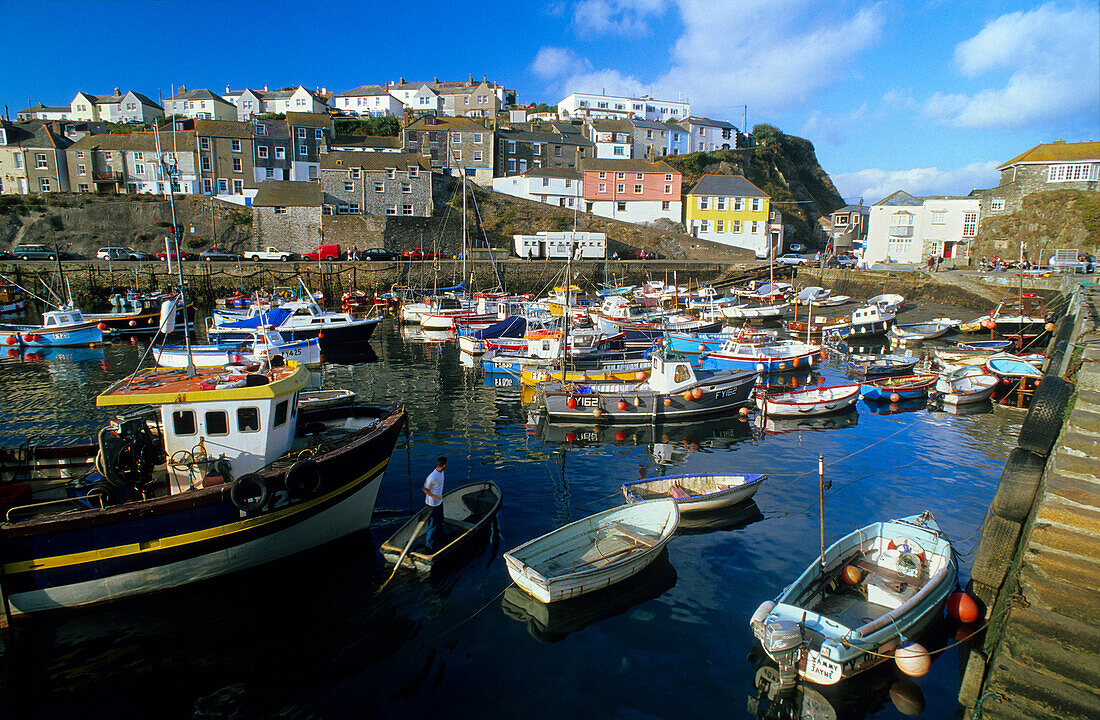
570 437
962 607
1049 327
12 352
102 326
622 405
851 575
668 401
894 397
641 375
620 436
688 397
702 347
133 323
697 393
743 412
759 367
596 412
913 660
571 403
10 340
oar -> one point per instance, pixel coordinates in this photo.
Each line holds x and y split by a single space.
412 539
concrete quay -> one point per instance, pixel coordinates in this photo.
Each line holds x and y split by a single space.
1037 568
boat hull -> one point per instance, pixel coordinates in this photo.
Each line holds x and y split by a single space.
812 401
642 405
734 494
31 337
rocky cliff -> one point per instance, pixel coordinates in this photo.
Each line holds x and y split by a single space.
1061 219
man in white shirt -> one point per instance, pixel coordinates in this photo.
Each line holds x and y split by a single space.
433 490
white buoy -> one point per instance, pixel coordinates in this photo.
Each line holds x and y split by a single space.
168 316
913 660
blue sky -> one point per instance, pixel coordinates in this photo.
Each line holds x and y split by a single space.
928 96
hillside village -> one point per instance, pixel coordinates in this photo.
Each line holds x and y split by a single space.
302 163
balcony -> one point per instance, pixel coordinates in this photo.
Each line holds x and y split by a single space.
901 231
106 176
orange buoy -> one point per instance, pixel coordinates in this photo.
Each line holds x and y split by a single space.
10 340
1049 327
13 352
668 401
894 397
851 575
620 436
743 412
133 323
596 412
697 393
913 660
962 607
688 396
101 326
622 405
641 375
571 403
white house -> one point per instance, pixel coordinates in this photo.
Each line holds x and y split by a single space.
45 112
254 102
903 228
705 135
137 108
201 104
614 106
614 139
91 108
368 100
554 186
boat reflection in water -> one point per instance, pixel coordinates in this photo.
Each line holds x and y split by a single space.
850 699
733 518
779 425
350 353
553 622
719 434
894 408
416 334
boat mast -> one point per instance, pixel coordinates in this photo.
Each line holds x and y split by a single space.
466 288
565 317
171 171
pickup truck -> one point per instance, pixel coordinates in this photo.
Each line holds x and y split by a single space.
271 253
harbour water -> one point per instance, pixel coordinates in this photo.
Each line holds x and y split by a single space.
312 637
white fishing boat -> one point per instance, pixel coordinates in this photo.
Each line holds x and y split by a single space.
747 311
810 400
595 552
698 492
888 302
266 343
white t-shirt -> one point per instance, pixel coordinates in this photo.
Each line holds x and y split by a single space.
434 484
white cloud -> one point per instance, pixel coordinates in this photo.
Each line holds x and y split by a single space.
554 62
616 17
769 54
1052 57
835 128
873 184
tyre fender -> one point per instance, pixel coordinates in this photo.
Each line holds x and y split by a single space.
1043 423
303 479
1019 482
249 493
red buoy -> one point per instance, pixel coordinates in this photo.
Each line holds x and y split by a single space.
570 437
621 405
571 403
620 436
894 397
962 607
102 326
10 340
133 323
697 393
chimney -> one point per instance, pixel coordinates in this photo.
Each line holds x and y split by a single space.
226 89
471 78
183 89
400 81
324 90
435 80
265 88
484 78
118 91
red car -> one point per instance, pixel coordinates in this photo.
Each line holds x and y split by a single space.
162 255
418 254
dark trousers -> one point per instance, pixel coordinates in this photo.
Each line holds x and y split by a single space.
435 527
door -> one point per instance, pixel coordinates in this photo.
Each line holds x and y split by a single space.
22 186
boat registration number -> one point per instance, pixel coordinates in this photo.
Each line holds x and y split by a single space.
821 670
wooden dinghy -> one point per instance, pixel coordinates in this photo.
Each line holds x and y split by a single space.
825 629
919 332
883 365
696 493
905 387
811 400
317 399
595 552
466 512
966 388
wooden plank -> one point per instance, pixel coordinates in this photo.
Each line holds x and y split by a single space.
644 538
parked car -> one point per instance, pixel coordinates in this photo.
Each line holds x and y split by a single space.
375 254
842 261
324 251
183 255
34 252
122 253
792 259
419 254
141 255
216 253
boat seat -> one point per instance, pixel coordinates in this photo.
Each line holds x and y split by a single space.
459 523
647 539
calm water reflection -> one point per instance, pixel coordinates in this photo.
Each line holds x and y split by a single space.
311 638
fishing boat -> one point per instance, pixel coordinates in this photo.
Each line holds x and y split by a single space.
595 552
824 629
762 355
641 327
696 493
883 365
1008 366
300 319
919 332
990 346
764 292
137 313
887 302
811 294
12 300
968 388
512 328
613 371
748 311
1020 315
63 327
199 476
695 343
901 387
810 400
467 512
266 343
865 321
672 391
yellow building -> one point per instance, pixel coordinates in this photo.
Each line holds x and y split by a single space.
730 210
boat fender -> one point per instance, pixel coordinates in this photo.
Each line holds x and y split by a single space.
249 493
303 479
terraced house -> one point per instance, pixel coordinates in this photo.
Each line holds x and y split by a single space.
310 134
519 150
360 183
200 104
130 163
635 191
274 149
250 103
225 153
457 146
32 158
730 210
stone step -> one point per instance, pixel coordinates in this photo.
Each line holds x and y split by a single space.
1035 695
1055 644
1049 590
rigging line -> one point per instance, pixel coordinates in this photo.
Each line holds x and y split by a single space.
471 617
485 234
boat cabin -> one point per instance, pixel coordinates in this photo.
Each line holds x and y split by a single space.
62 317
670 375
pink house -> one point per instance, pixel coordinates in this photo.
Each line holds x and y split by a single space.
636 191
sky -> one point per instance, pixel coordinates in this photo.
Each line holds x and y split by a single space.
926 96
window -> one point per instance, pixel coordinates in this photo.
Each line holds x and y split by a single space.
739 203
280 153
704 226
619 150
620 187
755 227
81 188
511 146
261 129
666 205
997 204
44 184
391 173
603 174
620 176
414 171
603 187
668 176
478 156
704 203
568 183
620 206
479 138
204 144
107 156
301 133
206 187
217 422
719 226
81 170
139 169
353 173
280 413
638 189
721 201
270 173
456 137
756 204
970 224
223 185
19 161
1069 173
261 151
456 155
353 208
939 217
237 166
312 172
407 209
235 145
183 422
349 186
511 164
80 153
303 150
406 187
206 163
557 151
546 182
737 226
139 156
318 134
391 209
40 161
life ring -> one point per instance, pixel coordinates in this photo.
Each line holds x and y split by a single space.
227 382
303 479
910 557
249 493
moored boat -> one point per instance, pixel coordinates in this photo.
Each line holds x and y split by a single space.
696 493
968 388
901 387
1005 365
763 355
919 332
820 400
266 342
467 511
824 629
63 327
990 346
594 552
883 365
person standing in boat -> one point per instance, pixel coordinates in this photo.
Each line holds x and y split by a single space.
433 490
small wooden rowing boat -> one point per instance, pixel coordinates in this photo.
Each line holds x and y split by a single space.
883 365
1005 365
466 512
919 332
811 400
904 387
966 388
696 493
595 552
984 345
